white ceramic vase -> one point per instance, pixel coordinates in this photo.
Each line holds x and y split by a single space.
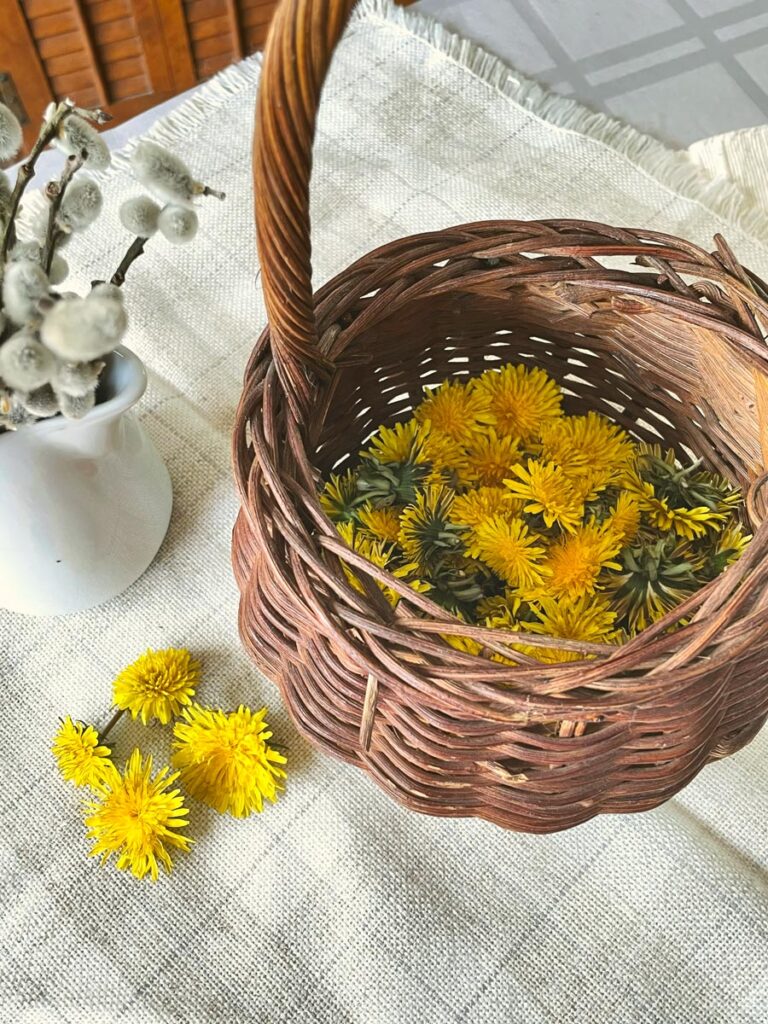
84 504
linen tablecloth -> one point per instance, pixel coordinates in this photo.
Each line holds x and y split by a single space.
336 905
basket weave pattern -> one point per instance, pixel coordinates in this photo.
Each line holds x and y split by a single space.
668 341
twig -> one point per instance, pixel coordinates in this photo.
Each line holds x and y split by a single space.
55 191
47 134
135 250
208 191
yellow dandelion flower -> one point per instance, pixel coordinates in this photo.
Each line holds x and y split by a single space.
685 522
588 617
380 523
454 410
158 684
547 491
490 458
448 460
471 508
224 760
379 554
520 400
575 562
134 818
462 643
510 549
508 604
80 756
588 447
624 517
402 443
339 498
426 529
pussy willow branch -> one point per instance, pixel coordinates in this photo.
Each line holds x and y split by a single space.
135 249
55 191
48 133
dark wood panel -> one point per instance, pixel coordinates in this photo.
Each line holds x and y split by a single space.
131 87
214 47
201 10
57 46
212 27
67 63
210 65
42 8
53 25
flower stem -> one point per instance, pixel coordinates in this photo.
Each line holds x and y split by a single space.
112 722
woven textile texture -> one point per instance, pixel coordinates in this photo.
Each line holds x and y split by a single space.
337 905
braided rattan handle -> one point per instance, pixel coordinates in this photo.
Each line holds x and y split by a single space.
298 53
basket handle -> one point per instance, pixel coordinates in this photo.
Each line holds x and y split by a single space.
298 53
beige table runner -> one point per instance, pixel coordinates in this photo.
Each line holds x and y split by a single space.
336 905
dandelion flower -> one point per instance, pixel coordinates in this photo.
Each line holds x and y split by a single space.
624 517
455 410
510 549
158 684
224 759
339 498
729 546
80 756
652 580
380 523
473 507
588 447
491 459
577 559
588 617
379 554
402 443
426 529
520 400
684 522
134 819
547 491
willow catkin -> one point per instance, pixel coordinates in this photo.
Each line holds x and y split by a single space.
81 204
178 224
77 136
163 173
24 284
79 330
25 363
10 133
139 216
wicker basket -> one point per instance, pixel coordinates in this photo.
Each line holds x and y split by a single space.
674 350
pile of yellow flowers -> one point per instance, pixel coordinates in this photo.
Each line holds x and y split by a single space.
221 759
516 516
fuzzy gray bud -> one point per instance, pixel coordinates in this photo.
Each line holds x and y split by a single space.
25 363
76 135
26 251
24 284
59 269
5 199
163 173
77 379
10 134
139 216
75 407
79 330
42 402
178 224
81 204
